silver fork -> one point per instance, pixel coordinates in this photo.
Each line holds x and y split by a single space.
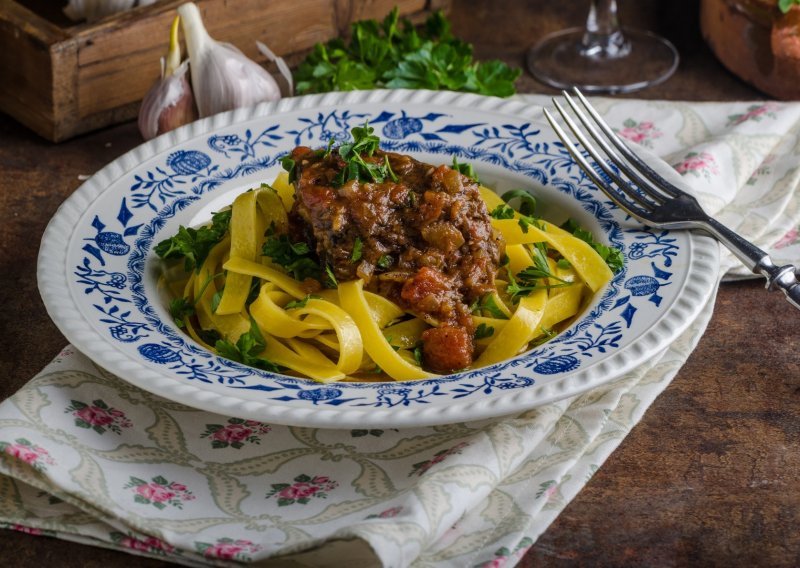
653 200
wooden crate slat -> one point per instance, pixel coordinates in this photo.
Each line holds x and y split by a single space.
63 81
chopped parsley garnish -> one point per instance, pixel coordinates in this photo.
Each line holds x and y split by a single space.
502 212
385 261
786 5
527 280
548 335
358 247
180 309
394 54
364 143
489 304
215 300
330 280
483 331
418 355
527 203
465 169
294 304
612 256
193 245
294 257
247 349
290 166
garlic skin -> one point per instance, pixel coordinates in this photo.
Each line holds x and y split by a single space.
167 105
169 102
223 78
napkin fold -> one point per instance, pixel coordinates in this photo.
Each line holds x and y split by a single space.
86 456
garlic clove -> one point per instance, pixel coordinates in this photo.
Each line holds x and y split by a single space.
223 78
169 102
168 105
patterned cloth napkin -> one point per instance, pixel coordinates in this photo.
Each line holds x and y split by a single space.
87 457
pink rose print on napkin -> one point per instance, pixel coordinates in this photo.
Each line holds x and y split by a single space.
147 544
27 530
505 556
789 239
387 514
756 113
25 451
421 467
159 492
98 416
228 549
698 164
235 433
302 490
643 132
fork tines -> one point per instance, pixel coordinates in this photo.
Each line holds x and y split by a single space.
643 191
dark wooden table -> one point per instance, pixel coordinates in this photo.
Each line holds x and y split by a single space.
709 477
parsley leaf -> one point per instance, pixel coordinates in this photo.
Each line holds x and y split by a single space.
180 309
465 169
364 143
527 203
612 256
786 5
290 166
330 280
193 245
502 212
294 257
247 349
384 262
294 304
418 355
489 304
527 280
483 331
358 247
394 54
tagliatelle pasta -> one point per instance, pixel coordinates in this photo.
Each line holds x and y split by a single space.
250 298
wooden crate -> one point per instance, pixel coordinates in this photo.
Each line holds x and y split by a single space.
62 80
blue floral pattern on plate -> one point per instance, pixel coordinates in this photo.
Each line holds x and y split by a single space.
113 273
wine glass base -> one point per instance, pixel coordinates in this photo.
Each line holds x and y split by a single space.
561 60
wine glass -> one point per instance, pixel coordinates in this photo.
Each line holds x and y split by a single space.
603 57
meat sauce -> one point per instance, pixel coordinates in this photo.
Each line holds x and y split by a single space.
424 241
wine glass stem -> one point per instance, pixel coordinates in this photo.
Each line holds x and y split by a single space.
603 37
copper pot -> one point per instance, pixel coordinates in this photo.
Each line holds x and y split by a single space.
757 42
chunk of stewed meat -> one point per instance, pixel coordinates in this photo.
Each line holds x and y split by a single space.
447 348
423 240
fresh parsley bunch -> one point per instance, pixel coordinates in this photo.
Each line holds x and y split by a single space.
393 54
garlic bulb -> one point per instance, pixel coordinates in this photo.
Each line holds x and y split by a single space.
169 102
283 68
223 78
91 10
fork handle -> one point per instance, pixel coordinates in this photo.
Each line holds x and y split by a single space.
778 277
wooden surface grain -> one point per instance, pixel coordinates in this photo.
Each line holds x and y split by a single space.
711 475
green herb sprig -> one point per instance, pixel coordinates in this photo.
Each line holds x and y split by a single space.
393 54
364 143
612 256
247 349
193 245
294 257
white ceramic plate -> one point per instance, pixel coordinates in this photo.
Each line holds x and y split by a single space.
97 272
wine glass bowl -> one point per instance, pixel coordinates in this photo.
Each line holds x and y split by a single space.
602 57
